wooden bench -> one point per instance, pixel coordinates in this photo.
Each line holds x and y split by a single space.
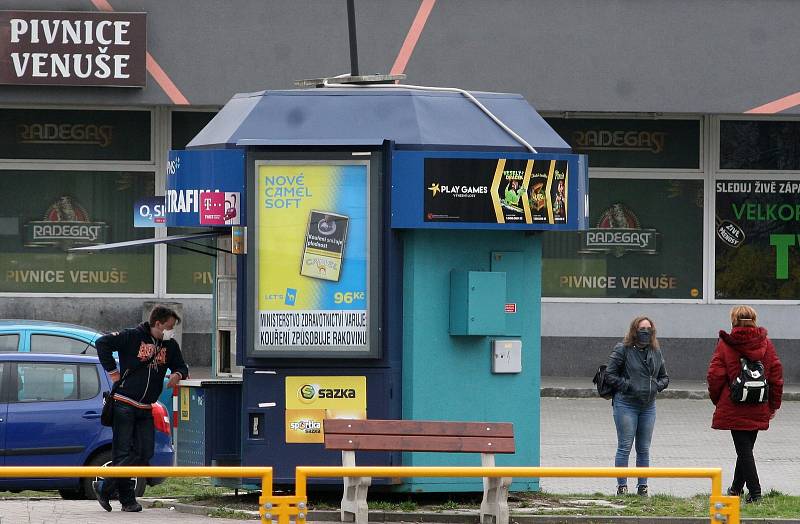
486 438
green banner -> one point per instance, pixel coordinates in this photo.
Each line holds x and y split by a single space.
757 240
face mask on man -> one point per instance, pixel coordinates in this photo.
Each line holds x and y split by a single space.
643 337
167 334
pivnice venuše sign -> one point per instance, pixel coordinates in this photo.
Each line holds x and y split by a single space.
73 48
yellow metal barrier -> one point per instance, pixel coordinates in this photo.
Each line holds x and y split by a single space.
722 508
283 508
265 502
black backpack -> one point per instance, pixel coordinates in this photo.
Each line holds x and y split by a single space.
604 389
750 386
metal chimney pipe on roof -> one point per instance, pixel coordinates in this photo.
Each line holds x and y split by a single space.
351 27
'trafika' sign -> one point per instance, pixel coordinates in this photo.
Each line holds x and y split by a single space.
73 48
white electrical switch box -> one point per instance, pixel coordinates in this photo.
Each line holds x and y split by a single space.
507 356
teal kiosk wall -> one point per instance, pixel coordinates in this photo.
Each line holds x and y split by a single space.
448 376
456 210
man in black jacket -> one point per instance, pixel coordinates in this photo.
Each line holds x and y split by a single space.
133 440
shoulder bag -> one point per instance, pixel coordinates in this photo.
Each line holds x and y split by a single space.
600 380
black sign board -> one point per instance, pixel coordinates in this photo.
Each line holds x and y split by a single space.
633 143
73 48
74 135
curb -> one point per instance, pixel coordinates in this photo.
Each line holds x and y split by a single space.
667 393
465 516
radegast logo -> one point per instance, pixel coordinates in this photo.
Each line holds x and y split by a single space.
458 191
65 224
619 231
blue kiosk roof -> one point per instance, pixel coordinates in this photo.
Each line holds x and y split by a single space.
366 116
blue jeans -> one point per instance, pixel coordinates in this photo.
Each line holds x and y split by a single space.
634 422
133 444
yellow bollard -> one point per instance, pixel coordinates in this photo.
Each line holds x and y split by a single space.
724 509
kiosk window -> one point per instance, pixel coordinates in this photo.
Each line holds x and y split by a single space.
48 212
645 241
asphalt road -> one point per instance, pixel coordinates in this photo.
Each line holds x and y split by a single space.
580 432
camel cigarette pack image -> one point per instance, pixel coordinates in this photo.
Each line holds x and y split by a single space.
326 235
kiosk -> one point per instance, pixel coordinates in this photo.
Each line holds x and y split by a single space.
389 262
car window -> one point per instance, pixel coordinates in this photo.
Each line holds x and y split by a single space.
60 344
9 342
41 381
89 382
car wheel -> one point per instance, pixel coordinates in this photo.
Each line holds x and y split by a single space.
71 494
104 459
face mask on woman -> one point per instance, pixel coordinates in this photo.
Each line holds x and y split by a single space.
643 337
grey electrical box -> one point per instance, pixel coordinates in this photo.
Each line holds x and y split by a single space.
507 356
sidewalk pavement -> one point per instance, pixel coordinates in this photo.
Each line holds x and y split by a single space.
582 387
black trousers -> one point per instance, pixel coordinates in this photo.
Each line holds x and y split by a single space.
133 444
745 472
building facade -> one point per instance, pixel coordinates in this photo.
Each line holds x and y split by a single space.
688 111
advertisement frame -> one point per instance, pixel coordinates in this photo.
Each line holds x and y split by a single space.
374 284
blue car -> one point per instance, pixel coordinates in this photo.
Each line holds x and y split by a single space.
41 336
50 407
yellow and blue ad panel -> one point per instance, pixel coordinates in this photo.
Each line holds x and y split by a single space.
312 256
312 399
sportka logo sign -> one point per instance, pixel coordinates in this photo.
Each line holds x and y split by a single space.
72 48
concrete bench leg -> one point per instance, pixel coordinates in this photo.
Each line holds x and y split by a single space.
354 500
494 506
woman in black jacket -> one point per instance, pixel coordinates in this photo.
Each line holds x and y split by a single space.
636 370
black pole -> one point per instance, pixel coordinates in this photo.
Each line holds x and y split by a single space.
351 26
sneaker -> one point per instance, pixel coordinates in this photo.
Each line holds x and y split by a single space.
97 486
641 490
622 490
133 507
733 493
752 498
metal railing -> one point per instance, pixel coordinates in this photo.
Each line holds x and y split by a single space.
284 508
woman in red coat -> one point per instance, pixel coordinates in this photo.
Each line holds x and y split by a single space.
744 420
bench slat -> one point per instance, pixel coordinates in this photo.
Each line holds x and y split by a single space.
419 427
419 443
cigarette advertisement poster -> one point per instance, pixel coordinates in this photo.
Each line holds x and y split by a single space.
310 400
757 234
312 256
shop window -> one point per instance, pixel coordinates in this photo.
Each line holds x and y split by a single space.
759 145
186 125
188 272
645 242
57 210
45 134
757 246
633 143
